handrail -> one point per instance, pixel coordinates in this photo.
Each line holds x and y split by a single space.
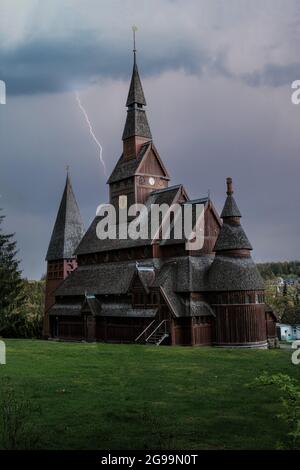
144 331
164 321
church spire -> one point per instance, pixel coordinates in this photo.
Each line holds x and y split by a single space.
230 207
232 236
68 228
136 122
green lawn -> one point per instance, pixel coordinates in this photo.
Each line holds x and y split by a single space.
104 396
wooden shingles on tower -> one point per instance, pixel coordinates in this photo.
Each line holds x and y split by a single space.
68 228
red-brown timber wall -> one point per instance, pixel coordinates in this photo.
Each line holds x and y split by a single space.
240 325
120 329
70 328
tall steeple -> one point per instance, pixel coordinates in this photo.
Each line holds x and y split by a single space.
136 131
67 232
68 228
139 170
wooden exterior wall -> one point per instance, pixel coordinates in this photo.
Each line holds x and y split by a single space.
57 271
192 331
270 325
67 328
240 323
120 329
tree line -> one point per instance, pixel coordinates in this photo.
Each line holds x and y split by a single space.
279 269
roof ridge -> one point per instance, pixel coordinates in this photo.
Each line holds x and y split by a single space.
167 189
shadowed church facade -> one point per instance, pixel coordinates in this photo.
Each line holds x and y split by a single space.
154 290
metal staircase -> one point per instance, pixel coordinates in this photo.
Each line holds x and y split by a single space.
154 333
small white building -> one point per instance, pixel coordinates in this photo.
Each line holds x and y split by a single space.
280 281
287 332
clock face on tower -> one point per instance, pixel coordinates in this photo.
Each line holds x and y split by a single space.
151 181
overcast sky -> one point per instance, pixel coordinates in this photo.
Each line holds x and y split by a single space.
217 78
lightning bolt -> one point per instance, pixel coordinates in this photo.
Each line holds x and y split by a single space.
91 130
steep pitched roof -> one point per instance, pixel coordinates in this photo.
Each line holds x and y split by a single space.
136 93
90 243
136 124
230 208
68 228
136 121
231 236
231 271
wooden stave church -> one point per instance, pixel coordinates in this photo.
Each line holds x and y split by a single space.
153 291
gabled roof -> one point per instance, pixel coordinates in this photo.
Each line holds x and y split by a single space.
127 168
146 275
169 281
196 221
159 161
90 243
68 228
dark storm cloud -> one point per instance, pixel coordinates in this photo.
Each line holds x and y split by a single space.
57 65
274 75
216 107
48 66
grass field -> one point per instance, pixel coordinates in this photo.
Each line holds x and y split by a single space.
87 396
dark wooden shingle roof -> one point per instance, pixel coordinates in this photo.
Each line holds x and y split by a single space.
136 93
68 228
232 237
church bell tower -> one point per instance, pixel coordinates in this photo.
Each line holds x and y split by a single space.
139 170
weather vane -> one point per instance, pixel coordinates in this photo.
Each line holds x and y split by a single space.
134 30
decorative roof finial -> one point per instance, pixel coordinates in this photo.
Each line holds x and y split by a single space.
229 186
67 169
134 29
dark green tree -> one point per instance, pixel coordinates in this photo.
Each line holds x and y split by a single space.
11 286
